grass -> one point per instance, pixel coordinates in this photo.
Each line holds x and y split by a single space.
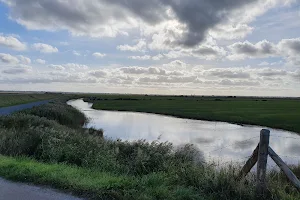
15 99
274 113
43 146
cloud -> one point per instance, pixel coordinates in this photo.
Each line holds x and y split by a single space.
99 55
143 70
20 69
291 49
114 17
145 57
69 66
231 32
12 42
271 72
158 57
140 46
76 53
40 61
228 82
242 50
263 63
24 59
44 48
98 73
168 79
228 73
9 59
57 67
288 49
75 66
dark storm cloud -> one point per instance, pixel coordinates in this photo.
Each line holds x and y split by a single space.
88 17
200 15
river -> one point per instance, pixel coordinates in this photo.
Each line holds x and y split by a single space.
218 141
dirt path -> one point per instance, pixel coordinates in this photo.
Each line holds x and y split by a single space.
20 191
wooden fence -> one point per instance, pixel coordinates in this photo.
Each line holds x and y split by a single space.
260 156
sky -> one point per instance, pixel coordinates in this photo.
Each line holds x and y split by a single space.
191 47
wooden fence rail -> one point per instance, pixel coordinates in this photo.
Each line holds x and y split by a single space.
260 156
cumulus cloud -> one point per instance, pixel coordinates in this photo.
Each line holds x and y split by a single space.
57 67
145 57
140 46
241 50
99 55
44 48
143 70
291 49
229 82
12 42
288 49
9 59
168 79
40 61
113 17
24 59
158 57
75 66
271 72
20 69
234 73
98 73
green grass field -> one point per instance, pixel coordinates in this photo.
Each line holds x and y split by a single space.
274 113
12 99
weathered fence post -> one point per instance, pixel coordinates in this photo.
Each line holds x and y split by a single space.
289 174
262 162
249 164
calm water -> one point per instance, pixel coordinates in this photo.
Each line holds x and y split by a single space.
218 141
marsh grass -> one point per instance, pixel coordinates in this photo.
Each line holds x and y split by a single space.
59 152
12 99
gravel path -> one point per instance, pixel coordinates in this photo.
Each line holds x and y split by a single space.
11 109
20 191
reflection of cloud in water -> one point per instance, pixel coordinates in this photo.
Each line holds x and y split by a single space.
217 140
244 144
294 149
203 140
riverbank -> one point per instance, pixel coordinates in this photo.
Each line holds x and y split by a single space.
47 145
269 112
12 99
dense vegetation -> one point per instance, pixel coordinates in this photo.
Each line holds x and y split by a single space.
46 147
12 99
270 112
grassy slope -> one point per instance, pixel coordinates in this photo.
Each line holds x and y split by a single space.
79 180
15 99
275 113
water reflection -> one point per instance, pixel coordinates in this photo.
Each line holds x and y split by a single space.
221 142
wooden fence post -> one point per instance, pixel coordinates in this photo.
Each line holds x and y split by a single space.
249 164
262 162
289 174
